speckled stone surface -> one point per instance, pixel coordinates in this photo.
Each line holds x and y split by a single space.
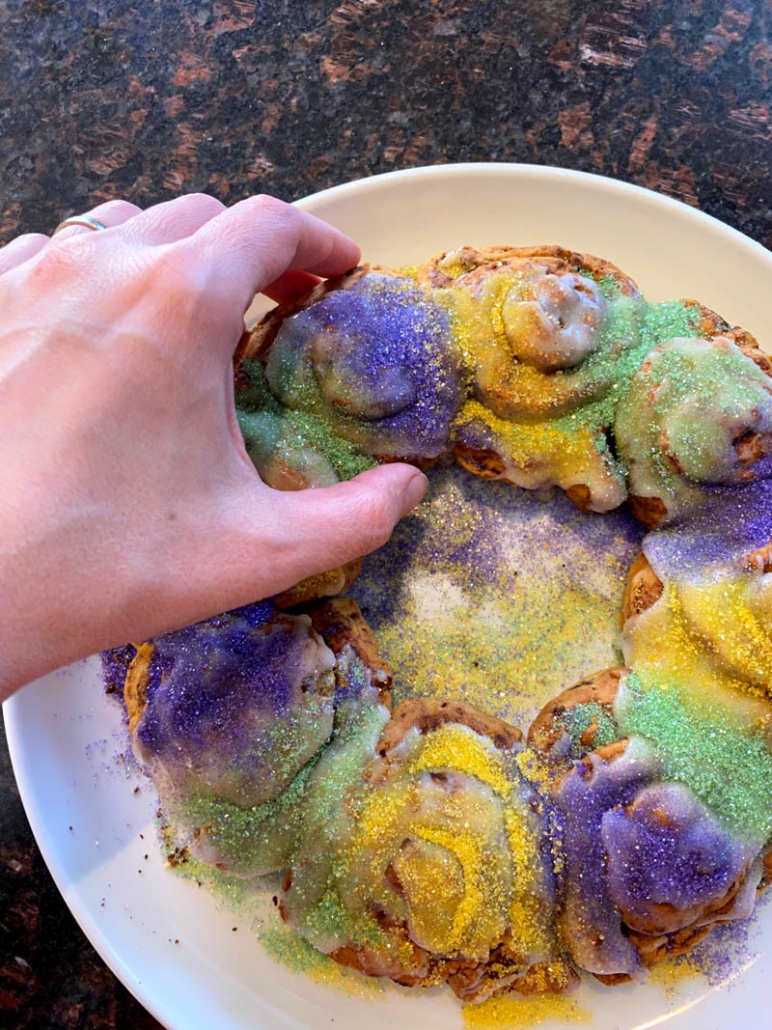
106 98
100 98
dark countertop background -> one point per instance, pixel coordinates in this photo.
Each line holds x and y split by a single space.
107 98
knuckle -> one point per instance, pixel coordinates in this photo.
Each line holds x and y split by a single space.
122 209
264 205
202 201
26 239
178 274
58 263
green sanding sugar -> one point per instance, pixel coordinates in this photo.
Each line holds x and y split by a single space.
235 894
631 330
237 827
576 721
250 839
668 320
269 428
285 946
655 324
343 456
253 392
727 766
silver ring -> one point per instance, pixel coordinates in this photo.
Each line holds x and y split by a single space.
85 220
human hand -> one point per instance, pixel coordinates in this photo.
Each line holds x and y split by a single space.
129 506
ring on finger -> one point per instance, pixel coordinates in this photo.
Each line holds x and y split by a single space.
85 220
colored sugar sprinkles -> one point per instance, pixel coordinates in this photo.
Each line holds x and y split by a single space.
463 772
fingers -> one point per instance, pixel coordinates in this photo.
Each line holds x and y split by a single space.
174 220
353 518
293 535
111 214
253 243
291 285
162 223
243 546
20 250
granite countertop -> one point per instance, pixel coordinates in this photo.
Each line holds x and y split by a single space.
106 98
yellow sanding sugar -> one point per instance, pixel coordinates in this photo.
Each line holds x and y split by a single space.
671 974
561 444
663 640
731 615
497 596
512 1013
458 748
380 813
535 768
527 909
467 851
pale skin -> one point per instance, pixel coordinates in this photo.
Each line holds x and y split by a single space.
128 506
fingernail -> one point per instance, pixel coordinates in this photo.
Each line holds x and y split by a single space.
414 492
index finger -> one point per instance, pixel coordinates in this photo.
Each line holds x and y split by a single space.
254 242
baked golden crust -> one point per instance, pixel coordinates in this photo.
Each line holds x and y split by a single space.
443 269
486 464
642 590
650 511
340 624
469 981
766 874
712 324
414 966
644 587
759 560
549 729
136 685
426 714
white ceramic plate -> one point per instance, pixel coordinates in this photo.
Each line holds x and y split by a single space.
165 938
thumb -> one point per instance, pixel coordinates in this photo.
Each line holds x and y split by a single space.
269 540
333 525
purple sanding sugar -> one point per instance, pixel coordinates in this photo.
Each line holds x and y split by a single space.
115 665
236 706
591 920
728 948
205 675
731 522
385 350
668 849
472 538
